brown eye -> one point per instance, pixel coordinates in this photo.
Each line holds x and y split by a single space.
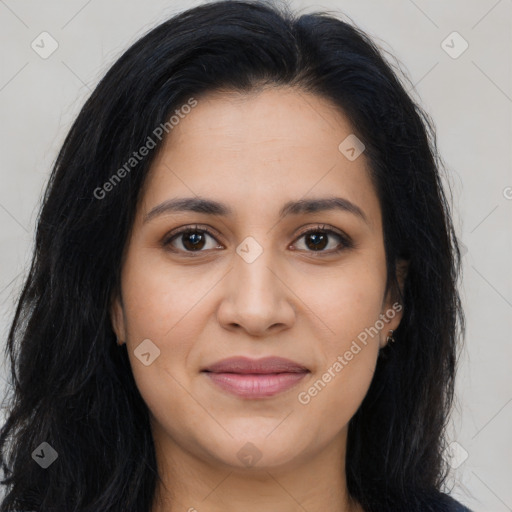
319 238
193 240
190 240
316 241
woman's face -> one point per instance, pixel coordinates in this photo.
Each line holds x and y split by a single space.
255 286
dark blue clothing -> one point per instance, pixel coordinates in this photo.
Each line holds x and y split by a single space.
459 507
448 504
428 502
420 501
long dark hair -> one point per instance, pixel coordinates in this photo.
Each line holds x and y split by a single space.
72 386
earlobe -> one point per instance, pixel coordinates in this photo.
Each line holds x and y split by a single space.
394 306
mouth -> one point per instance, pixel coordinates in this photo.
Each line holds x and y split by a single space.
255 378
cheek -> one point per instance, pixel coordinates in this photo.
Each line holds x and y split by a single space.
345 302
164 384
159 299
350 307
331 400
165 306
348 359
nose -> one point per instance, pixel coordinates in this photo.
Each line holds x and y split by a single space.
256 297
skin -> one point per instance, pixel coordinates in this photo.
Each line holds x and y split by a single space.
254 152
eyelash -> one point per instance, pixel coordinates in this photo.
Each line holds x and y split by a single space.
345 241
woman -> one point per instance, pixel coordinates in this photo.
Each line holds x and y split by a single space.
243 292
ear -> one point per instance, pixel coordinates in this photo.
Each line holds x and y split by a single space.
401 269
117 318
393 308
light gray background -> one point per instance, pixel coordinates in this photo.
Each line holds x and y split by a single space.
469 98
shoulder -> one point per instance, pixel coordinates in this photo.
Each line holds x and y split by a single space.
452 505
441 502
425 501
459 507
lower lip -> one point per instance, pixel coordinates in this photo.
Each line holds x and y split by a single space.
253 385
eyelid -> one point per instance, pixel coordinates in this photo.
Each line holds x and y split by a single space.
346 241
323 227
192 227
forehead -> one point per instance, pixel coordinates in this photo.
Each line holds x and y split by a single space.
276 118
262 148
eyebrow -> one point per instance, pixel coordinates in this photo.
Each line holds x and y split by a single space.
211 207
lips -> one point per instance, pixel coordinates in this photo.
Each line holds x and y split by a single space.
255 378
265 365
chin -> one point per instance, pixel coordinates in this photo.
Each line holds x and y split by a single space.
259 449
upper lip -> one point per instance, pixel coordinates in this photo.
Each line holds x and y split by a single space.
264 365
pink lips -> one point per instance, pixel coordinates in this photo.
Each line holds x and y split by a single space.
255 378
